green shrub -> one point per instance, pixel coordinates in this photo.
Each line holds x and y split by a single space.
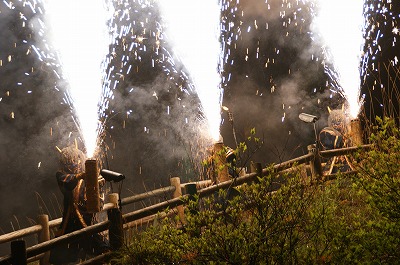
285 219
379 181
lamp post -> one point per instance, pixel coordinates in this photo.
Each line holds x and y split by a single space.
315 164
308 118
230 118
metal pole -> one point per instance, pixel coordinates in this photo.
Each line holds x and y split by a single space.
315 163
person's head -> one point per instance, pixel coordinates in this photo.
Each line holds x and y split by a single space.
72 160
337 119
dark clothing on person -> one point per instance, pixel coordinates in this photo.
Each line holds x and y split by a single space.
331 138
75 217
74 213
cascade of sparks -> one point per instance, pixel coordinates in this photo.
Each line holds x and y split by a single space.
79 33
139 49
382 31
139 39
192 27
341 30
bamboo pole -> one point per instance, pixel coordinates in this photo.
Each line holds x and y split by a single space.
356 132
92 186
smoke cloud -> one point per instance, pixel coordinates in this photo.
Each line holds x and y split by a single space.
277 73
33 119
153 123
273 71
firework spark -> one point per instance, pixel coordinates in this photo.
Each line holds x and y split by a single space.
138 36
197 45
340 24
81 39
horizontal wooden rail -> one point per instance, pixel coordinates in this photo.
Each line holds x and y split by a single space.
154 209
343 151
37 250
98 259
172 203
287 164
20 233
147 195
166 190
48 245
148 219
36 229
56 222
27 231
202 183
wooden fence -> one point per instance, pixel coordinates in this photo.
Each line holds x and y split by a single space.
178 194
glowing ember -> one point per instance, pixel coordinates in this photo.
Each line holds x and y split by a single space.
193 28
340 24
80 35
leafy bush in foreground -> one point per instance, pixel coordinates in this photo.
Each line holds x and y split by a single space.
346 221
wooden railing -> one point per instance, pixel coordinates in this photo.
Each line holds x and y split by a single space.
20 254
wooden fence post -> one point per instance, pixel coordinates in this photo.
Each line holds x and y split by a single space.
219 157
114 199
315 163
18 252
256 168
115 231
176 182
191 190
44 235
